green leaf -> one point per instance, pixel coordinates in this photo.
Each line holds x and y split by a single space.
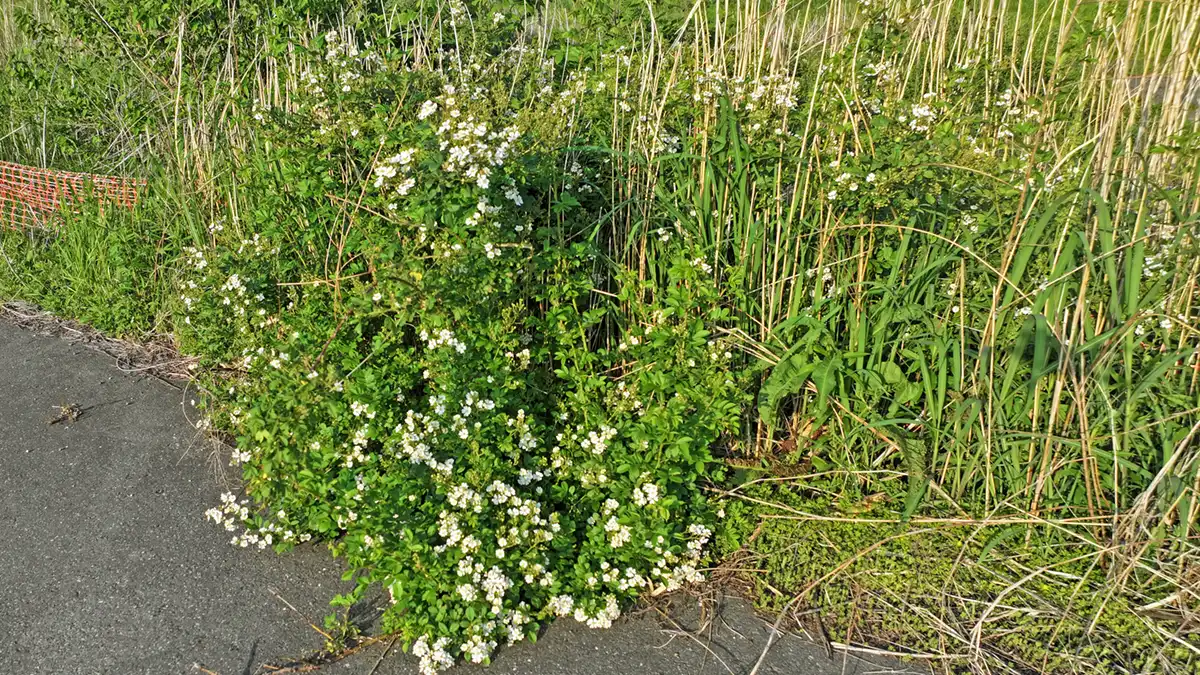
918 479
999 538
916 494
824 376
566 202
891 373
786 379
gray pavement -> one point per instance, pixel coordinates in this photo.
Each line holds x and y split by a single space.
107 565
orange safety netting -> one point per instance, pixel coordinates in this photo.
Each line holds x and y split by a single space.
35 198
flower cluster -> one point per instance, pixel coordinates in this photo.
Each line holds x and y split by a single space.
433 657
343 66
773 91
442 338
426 412
473 149
924 115
233 514
393 175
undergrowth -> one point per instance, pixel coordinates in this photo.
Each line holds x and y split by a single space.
109 269
496 299
944 589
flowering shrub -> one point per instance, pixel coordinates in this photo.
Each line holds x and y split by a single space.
446 378
482 292
442 395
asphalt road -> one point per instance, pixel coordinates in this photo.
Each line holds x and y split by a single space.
107 564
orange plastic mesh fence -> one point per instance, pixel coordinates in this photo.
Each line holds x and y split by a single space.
32 198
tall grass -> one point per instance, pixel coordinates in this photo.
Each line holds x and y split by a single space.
763 213
1011 322
1045 366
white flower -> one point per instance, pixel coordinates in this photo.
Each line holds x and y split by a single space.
432 658
511 193
603 618
646 494
495 584
476 648
619 534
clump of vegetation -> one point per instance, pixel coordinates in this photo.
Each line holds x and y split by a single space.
498 300
436 396
944 588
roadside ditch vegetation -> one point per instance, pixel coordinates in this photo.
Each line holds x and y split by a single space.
884 312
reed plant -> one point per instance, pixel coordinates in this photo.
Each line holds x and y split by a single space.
985 305
956 240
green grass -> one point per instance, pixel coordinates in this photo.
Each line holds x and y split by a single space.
947 593
114 269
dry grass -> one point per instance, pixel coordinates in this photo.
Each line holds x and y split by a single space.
157 356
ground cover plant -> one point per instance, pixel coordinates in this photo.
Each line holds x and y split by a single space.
531 311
